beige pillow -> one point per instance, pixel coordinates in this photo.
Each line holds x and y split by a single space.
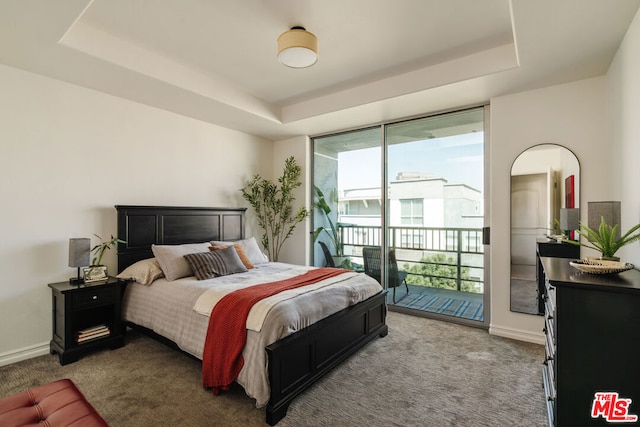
143 272
240 252
171 258
251 249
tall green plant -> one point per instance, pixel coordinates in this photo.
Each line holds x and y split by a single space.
273 203
332 231
604 239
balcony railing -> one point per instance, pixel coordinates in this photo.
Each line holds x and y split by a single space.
418 246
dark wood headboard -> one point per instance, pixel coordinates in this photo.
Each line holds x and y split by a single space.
143 226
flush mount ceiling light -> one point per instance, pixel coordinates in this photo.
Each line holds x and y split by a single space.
297 48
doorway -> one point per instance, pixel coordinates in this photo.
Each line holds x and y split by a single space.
529 206
429 221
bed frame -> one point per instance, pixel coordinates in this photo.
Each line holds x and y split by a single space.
295 362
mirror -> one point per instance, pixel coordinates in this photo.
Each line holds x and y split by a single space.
544 179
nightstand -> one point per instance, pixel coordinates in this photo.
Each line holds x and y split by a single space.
86 317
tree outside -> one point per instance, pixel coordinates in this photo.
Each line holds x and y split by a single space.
438 271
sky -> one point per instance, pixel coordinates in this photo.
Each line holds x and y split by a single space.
458 159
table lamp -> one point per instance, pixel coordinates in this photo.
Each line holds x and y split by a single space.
610 211
79 251
569 220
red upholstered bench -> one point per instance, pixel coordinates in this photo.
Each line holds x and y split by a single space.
56 404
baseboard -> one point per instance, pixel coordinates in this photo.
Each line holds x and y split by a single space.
24 354
517 334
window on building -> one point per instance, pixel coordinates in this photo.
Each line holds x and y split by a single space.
411 212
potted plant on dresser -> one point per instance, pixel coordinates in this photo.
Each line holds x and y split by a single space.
605 240
96 271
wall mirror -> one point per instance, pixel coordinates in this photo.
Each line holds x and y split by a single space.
544 179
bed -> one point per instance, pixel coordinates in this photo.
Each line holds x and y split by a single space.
281 362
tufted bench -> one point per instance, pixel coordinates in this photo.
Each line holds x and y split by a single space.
56 404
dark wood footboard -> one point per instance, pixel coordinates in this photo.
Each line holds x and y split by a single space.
297 361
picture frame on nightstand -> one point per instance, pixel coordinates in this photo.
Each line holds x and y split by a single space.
95 274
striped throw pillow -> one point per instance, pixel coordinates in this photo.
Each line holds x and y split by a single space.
206 265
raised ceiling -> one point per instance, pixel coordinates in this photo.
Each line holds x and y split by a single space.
215 60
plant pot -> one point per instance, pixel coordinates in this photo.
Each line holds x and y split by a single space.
95 273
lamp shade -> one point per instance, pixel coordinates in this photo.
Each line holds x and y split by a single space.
297 48
610 211
569 219
79 251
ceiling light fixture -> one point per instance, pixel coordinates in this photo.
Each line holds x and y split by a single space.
297 48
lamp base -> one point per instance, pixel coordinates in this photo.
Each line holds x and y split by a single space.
77 280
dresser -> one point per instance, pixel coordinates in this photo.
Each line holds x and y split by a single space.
591 372
555 249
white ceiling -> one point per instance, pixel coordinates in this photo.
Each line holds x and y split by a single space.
215 60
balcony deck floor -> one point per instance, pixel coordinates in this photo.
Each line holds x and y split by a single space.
447 302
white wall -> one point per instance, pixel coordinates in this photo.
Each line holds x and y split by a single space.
623 104
297 249
572 115
67 156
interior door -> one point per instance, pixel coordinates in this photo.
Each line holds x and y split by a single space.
529 210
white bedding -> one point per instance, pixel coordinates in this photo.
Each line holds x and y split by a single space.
168 308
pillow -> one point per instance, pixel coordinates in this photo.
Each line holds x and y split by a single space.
251 249
143 272
239 250
171 258
210 264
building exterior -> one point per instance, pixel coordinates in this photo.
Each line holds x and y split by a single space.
415 199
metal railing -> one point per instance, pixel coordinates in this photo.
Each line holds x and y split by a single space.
413 245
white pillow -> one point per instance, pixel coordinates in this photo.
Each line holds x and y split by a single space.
251 249
143 272
171 258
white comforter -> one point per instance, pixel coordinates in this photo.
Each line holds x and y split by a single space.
178 310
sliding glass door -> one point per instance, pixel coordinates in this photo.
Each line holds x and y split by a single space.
407 196
348 196
435 215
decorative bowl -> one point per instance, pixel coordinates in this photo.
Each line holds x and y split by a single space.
600 266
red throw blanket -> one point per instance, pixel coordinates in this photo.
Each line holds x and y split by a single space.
227 333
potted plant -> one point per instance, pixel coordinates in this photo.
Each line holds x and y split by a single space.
604 239
332 231
97 271
273 206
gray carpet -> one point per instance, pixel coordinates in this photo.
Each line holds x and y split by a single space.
424 373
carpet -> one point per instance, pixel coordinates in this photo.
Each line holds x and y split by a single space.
444 305
426 372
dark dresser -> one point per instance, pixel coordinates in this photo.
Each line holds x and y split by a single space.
591 372
555 249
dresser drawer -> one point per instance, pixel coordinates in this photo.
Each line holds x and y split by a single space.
550 327
549 306
93 298
550 346
550 394
551 293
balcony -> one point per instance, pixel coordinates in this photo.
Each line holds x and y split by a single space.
444 266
